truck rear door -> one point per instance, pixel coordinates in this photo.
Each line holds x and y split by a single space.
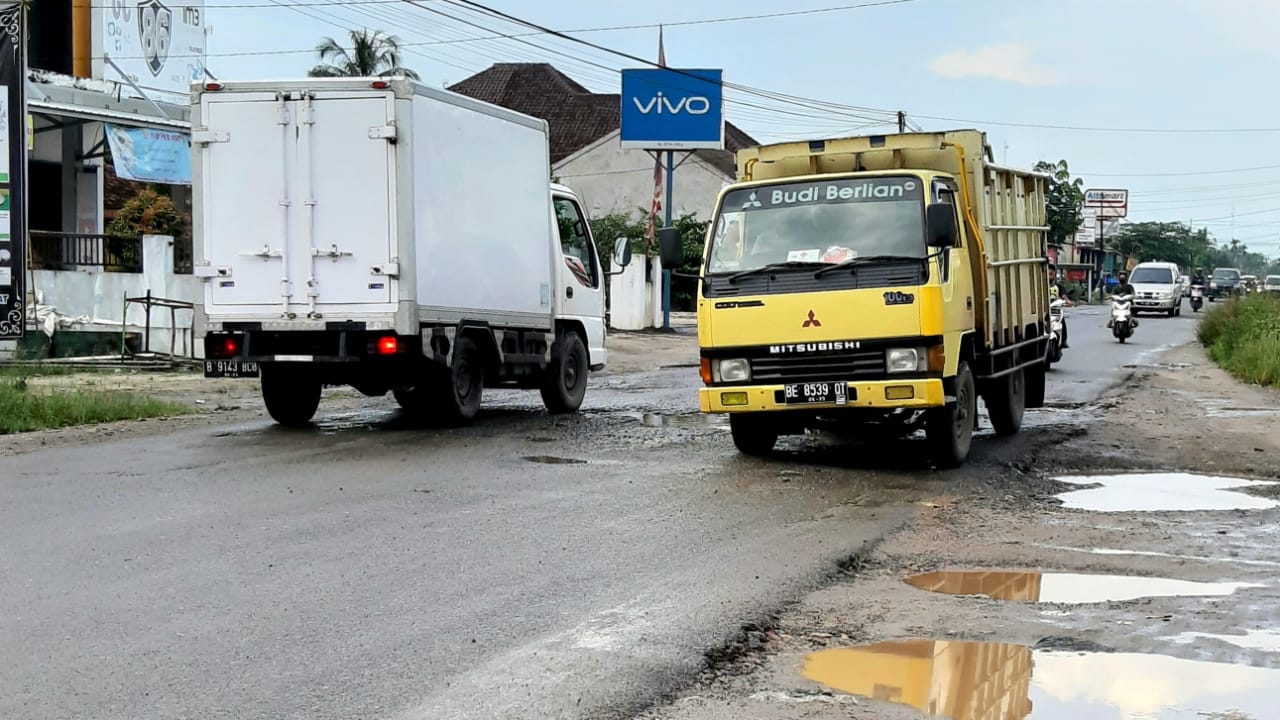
299 204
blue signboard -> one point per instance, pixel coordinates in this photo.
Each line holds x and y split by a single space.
149 155
669 109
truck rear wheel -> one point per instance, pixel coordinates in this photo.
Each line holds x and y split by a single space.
752 435
460 387
1006 402
949 429
291 396
565 384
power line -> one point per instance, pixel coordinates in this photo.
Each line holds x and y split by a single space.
1179 174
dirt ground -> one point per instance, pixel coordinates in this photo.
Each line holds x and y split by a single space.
1091 647
235 401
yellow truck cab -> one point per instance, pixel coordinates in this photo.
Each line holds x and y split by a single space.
881 282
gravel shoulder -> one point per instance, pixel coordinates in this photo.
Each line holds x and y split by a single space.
1179 413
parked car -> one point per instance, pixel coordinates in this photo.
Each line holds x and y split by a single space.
1157 288
1271 284
1223 283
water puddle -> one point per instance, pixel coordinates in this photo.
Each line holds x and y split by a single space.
1162 492
1070 588
554 460
966 680
1264 640
1222 408
685 420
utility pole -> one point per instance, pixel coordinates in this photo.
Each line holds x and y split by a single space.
902 122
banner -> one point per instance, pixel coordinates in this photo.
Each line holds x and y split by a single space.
13 172
147 155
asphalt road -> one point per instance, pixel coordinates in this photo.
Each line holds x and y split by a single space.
522 568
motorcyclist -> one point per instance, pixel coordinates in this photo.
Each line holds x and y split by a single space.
1199 278
1058 291
1122 287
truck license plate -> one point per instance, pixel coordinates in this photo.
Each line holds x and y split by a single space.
816 392
230 369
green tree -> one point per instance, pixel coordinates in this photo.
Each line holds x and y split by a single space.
372 54
1065 201
147 213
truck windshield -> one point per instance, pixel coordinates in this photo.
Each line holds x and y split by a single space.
1151 276
828 221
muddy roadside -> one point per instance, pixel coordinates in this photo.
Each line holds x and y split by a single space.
1141 595
217 402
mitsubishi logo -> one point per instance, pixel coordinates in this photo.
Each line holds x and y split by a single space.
752 202
812 321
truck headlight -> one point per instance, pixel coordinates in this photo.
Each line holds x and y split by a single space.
733 370
905 360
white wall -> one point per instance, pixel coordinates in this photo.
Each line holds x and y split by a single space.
100 296
611 179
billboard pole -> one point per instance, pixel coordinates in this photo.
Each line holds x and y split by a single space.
666 272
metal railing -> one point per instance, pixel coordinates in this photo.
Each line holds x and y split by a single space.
71 251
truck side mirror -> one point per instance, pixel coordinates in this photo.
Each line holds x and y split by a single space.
621 253
670 248
940 224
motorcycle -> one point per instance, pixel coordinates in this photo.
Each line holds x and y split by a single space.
1122 321
1197 297
1054 354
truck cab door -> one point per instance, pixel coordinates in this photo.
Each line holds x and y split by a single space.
579 283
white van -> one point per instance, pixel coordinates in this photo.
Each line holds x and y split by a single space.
1157 287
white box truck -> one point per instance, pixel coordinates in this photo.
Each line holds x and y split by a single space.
388 236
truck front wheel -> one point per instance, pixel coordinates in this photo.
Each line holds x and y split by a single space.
565 384
949 429
752 434
291 396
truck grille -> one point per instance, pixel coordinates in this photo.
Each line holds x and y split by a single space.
856 364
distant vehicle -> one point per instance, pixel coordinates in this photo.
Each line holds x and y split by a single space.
1157 288
1271 284
1224 282
1249 283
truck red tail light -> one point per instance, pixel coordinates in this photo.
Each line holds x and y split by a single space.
229 347
388 345
213 86
380 84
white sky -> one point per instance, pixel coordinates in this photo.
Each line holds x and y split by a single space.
1103 67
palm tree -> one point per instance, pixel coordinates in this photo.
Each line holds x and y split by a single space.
373 54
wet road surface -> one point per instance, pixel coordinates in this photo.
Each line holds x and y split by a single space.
523 567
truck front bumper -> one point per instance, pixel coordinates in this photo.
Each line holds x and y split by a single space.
886 394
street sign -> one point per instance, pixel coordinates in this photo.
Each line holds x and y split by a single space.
669 109
1109 203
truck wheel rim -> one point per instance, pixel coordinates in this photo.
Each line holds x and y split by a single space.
962 411
571 371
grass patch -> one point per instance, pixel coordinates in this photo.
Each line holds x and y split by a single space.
1243 336
22 410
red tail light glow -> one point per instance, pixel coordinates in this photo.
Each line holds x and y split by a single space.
388 346
230 347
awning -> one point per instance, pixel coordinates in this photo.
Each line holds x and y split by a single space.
128 119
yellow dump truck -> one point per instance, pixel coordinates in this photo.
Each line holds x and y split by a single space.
879 283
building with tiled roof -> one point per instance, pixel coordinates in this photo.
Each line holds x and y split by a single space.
586 151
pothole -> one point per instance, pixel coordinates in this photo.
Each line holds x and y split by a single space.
1066 588
965 680
1163 492
651 419
554 460
1264 640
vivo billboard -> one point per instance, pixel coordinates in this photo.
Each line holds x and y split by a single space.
668 109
